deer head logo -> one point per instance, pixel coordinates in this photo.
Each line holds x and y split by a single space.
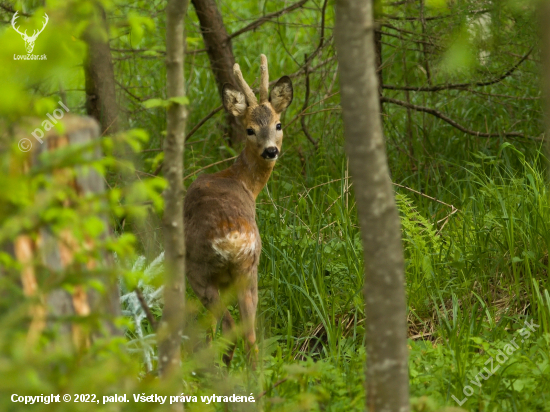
29 40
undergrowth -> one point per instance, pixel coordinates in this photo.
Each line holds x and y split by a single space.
476 271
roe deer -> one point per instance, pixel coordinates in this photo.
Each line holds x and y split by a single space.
222 240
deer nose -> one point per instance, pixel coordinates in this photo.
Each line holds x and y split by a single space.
270 153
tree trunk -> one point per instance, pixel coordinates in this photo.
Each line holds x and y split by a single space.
170 331
55 251
378 12
544 23
99 75
387 377
220 54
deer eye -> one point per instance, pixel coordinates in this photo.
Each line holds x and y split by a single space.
250 132
278 127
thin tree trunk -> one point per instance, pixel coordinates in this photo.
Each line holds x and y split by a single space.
170 330
99 75
378 44
544 23
220 53
386 338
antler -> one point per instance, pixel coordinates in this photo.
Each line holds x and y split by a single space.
264 80
35 33
248 93
264 83
15 16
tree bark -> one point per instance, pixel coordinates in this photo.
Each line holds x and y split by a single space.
220 53
378 44
386 338
54 251
99 75
544 24
170 330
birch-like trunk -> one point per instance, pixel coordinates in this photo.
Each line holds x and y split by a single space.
170 330
386 326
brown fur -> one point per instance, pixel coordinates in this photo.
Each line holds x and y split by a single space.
223 244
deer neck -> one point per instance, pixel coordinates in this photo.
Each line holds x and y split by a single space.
251 169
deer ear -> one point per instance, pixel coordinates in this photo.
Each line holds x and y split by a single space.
234 100
281 95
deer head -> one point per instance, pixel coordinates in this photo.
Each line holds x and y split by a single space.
261 119
29 40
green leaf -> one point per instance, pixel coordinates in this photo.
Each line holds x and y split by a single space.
179 100
151 103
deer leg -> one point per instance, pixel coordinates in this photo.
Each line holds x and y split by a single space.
248 302
210 298
228 326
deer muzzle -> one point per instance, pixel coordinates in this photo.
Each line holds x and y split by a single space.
270 153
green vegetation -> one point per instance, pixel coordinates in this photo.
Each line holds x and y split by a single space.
475 211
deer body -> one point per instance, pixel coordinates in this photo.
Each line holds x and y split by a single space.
222 239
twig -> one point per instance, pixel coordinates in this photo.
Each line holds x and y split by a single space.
108 127
440 87
191 132
267 17
10 9
139 99
322 35
309 107
306 102
446 218
446 16
302 69
261 395
454 209
252 26
146 308
203 121
399 31
209 166
453 123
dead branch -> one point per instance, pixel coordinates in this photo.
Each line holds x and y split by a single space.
208 166
306 102
10 9
322 36
203 121
139 99
453 123
453 208
146 308
268 17
260 395
440 87
445 16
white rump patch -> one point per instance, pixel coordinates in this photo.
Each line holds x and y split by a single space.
235 246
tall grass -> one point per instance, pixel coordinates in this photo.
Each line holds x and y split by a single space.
473 278
473 275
